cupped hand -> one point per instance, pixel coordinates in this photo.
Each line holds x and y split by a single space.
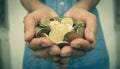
79 47
42 47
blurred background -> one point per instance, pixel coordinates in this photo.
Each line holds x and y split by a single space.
12 36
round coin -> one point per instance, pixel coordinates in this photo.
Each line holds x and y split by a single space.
53 24
56 36
67 21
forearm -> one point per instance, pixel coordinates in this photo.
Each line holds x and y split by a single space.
87 4
31 5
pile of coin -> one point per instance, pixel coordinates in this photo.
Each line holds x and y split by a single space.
60 30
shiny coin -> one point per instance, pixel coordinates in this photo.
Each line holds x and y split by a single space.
80 31
41 32
44 22
56 36
53 24
67 21
63 28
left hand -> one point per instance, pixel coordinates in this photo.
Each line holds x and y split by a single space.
42 47
79 47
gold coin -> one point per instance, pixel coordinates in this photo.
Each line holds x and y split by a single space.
70 27
53 24
55 19
56 36
81 23
63 28
80 28
44 22
80 31
39 31
67 21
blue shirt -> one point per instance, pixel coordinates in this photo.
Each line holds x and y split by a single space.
96 59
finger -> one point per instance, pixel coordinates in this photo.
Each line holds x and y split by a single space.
65 62
78 53
82 44
91 28
66 51
54 52
56 58
29 27
65 65
41 53
40 43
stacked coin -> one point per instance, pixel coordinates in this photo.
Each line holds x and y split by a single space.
60 30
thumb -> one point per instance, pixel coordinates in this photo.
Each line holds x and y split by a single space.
29 28
66 51
91 29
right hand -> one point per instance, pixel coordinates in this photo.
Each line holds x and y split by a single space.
42 47
79 47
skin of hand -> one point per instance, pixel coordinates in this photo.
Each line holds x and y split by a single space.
79 47
42 47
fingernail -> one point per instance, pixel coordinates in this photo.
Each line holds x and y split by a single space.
92 34
27 32
26 36
92 37
43 45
